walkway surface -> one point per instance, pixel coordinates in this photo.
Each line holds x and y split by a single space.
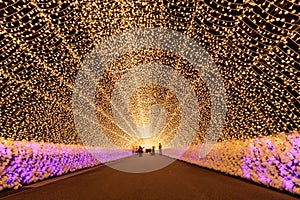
177 181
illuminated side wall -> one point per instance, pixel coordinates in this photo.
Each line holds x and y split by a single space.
270 160
23 162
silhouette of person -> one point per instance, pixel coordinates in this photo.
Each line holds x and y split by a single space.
140 151
153 151
160 149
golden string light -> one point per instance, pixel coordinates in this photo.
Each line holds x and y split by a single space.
43 43
120 67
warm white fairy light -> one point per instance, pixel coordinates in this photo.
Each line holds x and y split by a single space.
255 45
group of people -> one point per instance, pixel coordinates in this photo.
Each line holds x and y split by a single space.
140 150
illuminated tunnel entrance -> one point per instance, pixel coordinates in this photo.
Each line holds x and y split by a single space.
174 94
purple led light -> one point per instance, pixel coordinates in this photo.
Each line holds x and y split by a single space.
25 162
271 160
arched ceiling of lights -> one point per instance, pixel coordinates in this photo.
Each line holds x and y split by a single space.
255 45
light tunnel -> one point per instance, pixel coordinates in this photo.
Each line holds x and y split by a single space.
85 83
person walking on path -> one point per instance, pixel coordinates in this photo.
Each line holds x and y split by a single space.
160 149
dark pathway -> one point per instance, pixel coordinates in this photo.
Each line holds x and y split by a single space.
176 181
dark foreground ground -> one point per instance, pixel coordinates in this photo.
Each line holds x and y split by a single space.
177 181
